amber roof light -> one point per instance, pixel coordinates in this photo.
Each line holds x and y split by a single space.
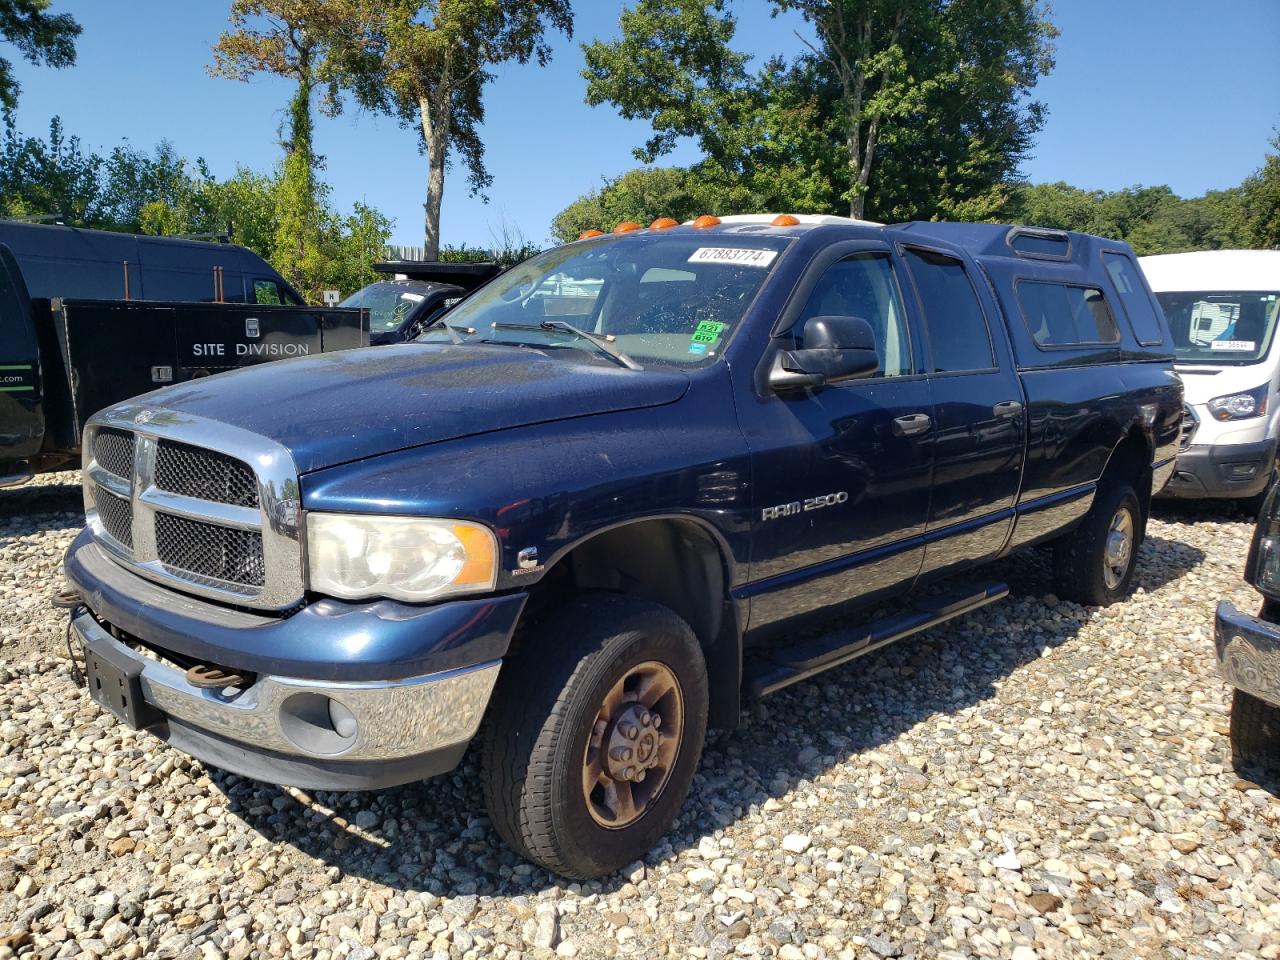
785 220
626 226
588 234
705 222
664 223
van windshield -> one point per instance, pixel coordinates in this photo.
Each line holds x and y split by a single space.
1221 327
388 303
670 298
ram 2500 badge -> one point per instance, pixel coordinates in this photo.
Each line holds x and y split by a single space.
583 516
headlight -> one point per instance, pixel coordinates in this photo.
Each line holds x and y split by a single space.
1240 406
1262 569
406 558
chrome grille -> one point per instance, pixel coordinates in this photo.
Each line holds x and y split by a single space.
204 474
1189 425
113 449
116 514
211 552
203 506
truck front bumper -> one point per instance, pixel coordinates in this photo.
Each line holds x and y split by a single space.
1248 652
1222 470
337 696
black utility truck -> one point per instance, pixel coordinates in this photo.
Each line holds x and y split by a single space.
89 318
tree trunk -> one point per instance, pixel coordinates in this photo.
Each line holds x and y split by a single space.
435 136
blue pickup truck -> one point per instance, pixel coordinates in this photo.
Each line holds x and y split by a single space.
590 510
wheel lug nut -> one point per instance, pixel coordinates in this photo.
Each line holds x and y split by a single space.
657 721
629 773
630 731
621 754
639 775
646 718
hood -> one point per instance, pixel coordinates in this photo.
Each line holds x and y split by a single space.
337 407
1201 382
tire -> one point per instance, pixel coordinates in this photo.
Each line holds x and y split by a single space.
1255 732
1084 569
545 725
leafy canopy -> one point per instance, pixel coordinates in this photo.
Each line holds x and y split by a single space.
41 37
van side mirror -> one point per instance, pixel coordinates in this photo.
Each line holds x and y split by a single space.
831 350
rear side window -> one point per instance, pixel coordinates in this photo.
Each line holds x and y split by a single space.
1066 315
953 317
1133 298
267 292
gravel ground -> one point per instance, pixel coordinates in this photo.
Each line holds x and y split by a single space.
1035 780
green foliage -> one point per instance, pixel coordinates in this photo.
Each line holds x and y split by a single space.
901 107
1260 199
163 194
41 37
427 62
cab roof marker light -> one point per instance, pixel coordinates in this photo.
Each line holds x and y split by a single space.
705 222
588 234
785 220
664 223
627 226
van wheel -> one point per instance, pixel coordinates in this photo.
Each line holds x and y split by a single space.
1255 731
594 734
1094 563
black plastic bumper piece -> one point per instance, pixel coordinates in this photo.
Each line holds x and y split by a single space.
1222 470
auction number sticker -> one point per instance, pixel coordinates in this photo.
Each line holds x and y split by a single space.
704 336
735 256
1233 345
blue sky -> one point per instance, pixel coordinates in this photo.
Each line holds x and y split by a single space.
1181 92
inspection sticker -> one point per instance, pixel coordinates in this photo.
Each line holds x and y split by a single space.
1233 345
737 256
414 297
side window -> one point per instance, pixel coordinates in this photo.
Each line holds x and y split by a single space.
864 286
1133 297
267 292
953 317
1065 315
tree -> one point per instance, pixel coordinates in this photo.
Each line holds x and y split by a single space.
1260 199
55 177
291 39
934 94
428 61
41 37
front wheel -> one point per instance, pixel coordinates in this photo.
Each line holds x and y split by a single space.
1094 563
595 732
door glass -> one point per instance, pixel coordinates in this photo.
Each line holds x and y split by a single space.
953 317
864 286
267 292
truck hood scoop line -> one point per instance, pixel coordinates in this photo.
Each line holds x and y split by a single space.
340 407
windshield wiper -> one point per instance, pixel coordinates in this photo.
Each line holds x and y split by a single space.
449 328
603 343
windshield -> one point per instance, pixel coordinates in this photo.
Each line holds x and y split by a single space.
388 304
1219 327
672 299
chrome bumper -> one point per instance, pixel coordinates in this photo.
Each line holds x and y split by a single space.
393 720
1248 652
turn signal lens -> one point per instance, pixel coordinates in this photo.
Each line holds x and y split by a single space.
588 234
626 226
785 220
664 223
706 221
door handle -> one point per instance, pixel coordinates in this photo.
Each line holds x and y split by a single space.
1007 408
912 424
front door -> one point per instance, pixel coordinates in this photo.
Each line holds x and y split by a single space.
842 473
979 420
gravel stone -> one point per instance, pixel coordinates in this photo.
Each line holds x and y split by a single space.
862 813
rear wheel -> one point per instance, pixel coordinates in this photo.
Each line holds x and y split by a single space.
1255 731
1094 563
595 733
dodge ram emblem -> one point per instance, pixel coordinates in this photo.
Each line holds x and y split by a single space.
144 416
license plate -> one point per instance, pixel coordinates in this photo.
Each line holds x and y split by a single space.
115 685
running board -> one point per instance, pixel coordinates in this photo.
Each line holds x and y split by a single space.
784 666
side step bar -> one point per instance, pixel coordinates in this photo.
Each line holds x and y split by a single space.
784 666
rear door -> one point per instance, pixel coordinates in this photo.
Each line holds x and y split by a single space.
978 408
21 413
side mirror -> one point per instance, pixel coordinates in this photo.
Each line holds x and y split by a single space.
832 349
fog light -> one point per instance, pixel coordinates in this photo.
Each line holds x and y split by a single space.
317 724
1242 471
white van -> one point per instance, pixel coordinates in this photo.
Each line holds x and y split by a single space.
1222 307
